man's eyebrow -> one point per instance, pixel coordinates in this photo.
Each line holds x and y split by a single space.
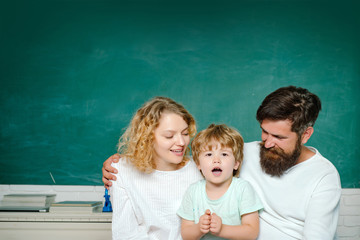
274 135
279 136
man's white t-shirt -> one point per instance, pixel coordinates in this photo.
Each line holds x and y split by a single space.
301 204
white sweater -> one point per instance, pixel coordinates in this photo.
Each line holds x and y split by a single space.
301 204
145 205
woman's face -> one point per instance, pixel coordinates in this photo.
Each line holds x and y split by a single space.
171 140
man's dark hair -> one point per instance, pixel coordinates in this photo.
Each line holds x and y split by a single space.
296 104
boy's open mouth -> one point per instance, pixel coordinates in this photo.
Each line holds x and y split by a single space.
216 171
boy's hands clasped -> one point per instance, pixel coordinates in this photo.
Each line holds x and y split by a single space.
210 222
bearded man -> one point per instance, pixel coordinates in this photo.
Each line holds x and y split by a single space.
299 188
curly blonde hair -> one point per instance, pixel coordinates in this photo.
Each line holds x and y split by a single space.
226 136
137 142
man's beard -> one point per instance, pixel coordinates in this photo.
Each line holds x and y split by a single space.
275 161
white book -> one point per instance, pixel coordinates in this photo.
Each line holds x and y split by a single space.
24 204
76 204
43 198
27 200
54 209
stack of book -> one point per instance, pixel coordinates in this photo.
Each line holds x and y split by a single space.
76 207
27 202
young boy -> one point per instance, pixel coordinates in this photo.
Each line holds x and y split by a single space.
222 205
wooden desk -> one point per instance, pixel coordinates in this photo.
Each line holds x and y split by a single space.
38 226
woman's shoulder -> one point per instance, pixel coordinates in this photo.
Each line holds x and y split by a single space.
124 165
127 172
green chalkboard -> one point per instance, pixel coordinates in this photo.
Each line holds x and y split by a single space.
73 72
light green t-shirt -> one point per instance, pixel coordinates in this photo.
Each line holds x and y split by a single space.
238 200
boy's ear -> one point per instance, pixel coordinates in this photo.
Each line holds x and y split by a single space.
236 166
198 166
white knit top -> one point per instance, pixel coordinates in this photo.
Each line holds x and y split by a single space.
145 205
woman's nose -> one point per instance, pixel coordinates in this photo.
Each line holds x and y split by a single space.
180 140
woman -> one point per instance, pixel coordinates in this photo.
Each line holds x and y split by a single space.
155 172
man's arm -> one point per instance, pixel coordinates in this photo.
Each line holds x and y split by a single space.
249 228
108 170
323 209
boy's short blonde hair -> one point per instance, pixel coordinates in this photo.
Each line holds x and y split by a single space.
137 143
226 136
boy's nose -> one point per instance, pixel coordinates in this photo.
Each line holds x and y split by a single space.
216 159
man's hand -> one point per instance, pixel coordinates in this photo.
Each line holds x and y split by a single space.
108 170
204 222
215 224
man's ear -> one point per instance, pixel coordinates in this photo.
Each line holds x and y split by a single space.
307 134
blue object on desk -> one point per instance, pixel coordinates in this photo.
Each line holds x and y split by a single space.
107 205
